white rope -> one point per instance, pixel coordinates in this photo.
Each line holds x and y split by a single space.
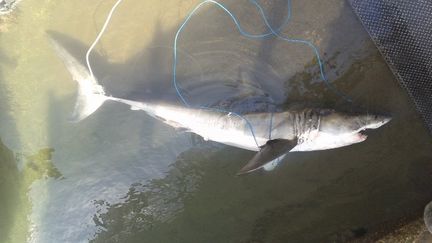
99 36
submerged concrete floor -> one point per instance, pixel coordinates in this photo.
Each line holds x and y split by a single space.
399 232
122 176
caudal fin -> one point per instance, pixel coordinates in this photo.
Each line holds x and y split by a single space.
91 94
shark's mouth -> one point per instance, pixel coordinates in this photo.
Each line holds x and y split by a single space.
362 135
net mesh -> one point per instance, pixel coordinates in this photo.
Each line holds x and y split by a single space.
402 31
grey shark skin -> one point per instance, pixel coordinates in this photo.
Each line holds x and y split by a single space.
272 134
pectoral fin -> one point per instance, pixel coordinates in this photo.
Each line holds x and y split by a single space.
270 151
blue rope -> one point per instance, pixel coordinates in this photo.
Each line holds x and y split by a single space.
240 29
235 114
272 31
244 33
308 43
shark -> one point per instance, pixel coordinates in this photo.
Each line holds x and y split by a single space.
271 134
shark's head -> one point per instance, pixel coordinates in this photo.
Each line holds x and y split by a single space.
339 123
338 130
371 121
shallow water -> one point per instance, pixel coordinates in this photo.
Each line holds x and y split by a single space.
121 176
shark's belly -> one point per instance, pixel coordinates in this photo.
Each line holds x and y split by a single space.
233 138
324 141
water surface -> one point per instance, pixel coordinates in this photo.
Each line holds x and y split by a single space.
121 176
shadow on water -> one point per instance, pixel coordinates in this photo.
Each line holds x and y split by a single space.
333 195
18 172
9 174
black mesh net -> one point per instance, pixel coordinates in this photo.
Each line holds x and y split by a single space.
402 30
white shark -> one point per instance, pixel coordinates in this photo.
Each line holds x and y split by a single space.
272 135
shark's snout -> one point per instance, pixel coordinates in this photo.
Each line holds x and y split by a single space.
376 121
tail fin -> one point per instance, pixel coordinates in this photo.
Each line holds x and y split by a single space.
91 94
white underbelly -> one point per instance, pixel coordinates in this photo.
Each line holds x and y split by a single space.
323 141
233 138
